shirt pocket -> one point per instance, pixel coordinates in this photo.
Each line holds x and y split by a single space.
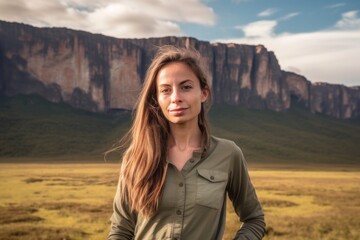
211 187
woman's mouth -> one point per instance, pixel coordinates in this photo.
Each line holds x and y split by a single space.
177 111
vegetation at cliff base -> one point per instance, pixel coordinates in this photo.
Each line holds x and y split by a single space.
33 129
295 135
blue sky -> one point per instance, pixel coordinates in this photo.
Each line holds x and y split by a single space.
319 39
293 16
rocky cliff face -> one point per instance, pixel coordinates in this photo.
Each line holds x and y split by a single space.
100 73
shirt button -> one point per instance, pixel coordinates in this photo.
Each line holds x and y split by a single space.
212 177
178 212
181 184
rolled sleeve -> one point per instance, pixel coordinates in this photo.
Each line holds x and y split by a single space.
123 221
243 196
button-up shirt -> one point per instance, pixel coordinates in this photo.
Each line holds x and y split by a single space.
193 200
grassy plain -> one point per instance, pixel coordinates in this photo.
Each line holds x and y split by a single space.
74 201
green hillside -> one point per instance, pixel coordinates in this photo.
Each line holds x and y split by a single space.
33 129
292 136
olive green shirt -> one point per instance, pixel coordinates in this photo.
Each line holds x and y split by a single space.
193 202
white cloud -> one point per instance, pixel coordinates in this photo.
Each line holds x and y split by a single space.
349 20
118 18
324 56
336 5
240 1
268 12
288 16
258 29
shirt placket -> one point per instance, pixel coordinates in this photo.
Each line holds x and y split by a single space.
180 211
180 207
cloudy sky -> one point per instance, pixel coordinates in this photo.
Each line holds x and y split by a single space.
319 39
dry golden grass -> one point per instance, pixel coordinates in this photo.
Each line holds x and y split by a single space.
74 201
56 201
309 204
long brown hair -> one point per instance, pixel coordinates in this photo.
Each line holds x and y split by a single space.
144 165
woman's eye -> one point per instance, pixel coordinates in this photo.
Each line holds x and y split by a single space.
165 90
187 87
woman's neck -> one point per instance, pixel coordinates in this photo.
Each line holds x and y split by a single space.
185 137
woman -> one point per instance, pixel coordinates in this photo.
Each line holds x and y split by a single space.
174 176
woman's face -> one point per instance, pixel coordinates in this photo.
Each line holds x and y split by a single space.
179 94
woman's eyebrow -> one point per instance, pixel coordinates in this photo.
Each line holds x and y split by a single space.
164 85
186 81
181 83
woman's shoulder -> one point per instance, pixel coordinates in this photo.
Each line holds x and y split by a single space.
224 144
230 148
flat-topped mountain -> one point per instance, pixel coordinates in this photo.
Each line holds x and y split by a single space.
100 73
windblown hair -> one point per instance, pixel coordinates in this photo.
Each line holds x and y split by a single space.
144 164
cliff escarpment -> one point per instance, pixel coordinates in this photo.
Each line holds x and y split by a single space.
100 73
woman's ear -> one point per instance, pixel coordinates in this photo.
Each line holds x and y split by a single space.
205 94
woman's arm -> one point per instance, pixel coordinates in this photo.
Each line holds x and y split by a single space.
123 221
243 196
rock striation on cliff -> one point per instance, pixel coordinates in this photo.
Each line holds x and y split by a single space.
100 73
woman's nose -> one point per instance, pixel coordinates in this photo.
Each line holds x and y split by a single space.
175 96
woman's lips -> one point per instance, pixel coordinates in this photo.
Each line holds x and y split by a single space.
177 111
